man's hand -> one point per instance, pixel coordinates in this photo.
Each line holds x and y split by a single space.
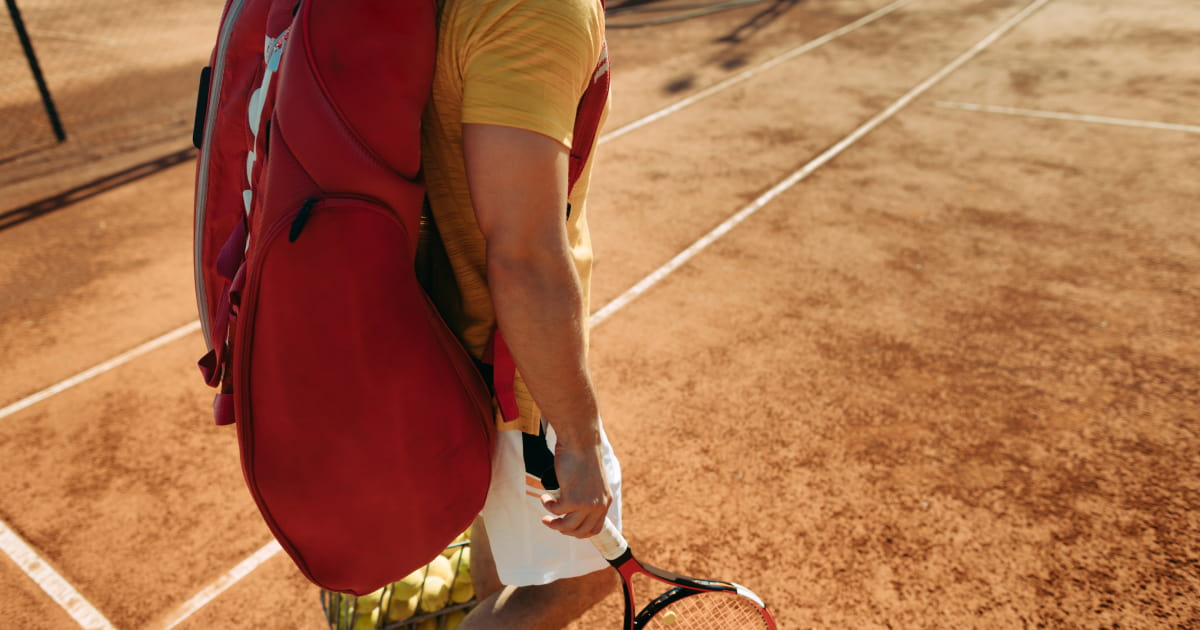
584 495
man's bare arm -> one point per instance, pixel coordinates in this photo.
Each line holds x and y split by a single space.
517 180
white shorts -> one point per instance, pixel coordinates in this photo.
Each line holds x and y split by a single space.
527 552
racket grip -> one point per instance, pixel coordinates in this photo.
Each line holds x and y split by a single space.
609 542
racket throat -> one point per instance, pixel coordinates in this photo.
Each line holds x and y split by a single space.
627 589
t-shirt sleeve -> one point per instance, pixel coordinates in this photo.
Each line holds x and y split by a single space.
528 67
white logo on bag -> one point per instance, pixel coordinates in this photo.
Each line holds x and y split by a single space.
272 53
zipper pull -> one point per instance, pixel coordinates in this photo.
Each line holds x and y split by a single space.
301 219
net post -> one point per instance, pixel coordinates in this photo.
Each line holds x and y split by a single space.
35 68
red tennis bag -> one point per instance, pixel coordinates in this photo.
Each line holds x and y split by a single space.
364 426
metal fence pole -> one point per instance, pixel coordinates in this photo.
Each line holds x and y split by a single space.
47 100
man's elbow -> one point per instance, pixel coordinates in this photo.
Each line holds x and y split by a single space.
527 261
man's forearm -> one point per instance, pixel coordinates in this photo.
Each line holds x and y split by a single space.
539 308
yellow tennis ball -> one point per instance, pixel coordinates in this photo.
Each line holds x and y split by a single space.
428 624
441 568
367 620
403 608
369 601
460 563
434 595
459 557
455 618
669 618
462 591
409 586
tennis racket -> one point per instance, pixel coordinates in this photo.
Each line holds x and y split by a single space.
683 603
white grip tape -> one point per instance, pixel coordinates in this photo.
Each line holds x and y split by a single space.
609 542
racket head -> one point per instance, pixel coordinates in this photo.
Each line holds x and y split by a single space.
715 608
688 603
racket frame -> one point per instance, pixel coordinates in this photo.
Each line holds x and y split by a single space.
615 549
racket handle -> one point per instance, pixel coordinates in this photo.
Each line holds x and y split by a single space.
609 542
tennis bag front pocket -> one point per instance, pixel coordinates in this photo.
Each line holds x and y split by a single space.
365 430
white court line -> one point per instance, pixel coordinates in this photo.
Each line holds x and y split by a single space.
683 257
50 581
100 369
1037 113
759 69
210 592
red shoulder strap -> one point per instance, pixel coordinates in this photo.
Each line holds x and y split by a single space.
587 118
587 125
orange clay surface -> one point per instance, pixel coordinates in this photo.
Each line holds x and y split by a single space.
950 380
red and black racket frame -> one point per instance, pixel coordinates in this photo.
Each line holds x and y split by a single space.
683 587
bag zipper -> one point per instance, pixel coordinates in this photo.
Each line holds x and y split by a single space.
301 219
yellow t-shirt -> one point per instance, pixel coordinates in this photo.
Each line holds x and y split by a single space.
515 63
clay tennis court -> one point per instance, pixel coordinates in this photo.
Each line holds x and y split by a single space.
911 341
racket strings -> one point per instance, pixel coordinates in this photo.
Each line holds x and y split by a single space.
710 611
